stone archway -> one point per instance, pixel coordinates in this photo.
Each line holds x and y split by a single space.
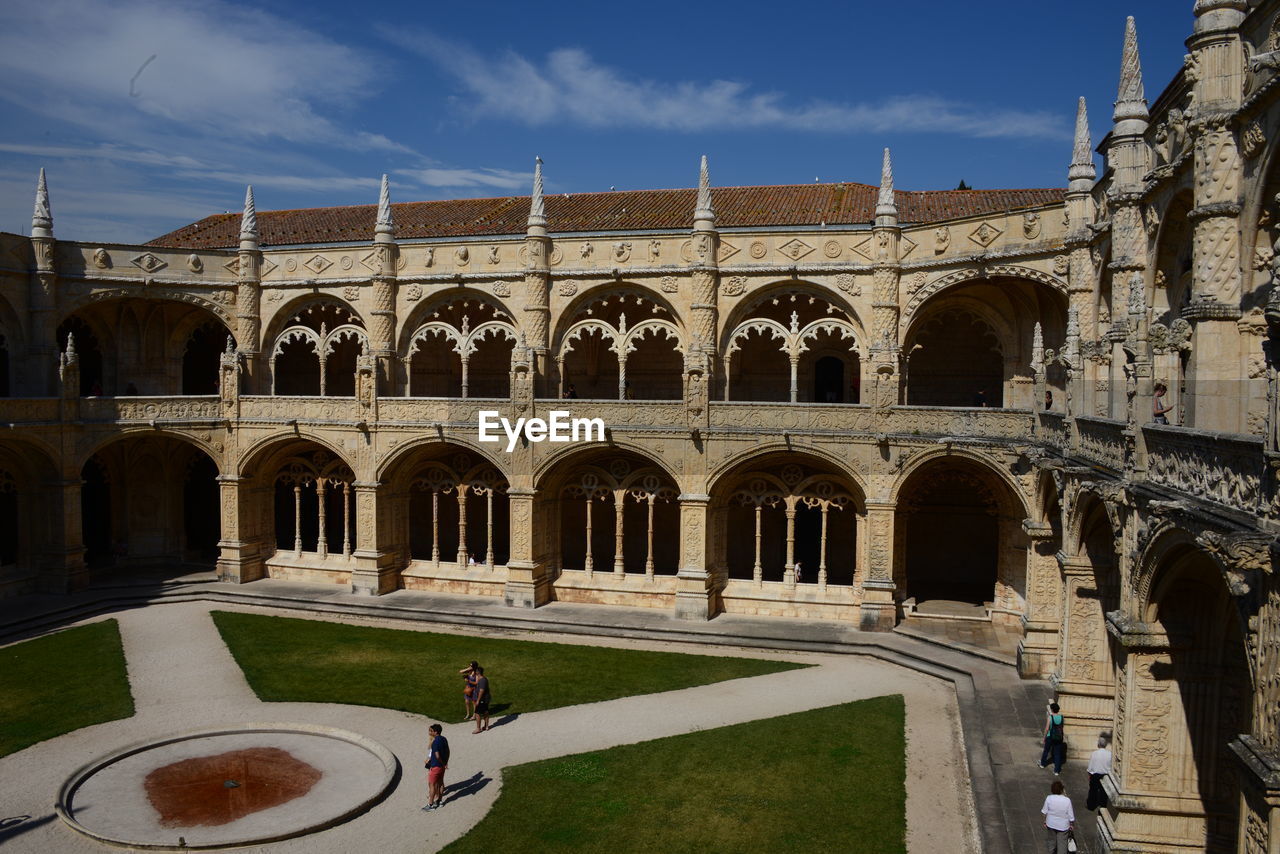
1184 696
960 548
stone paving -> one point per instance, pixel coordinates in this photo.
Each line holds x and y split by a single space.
999 715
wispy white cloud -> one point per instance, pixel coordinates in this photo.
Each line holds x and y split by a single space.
502 179
571 86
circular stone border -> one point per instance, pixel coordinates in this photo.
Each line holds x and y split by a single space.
390 765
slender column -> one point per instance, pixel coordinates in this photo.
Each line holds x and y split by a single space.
488 545
822 552
435 527
757 572
648 560
789 570
346 519
560 376
462 524
465 364
589 563
273 376
622 376
619 505
322 543
795 388
728 360
297 520
322 379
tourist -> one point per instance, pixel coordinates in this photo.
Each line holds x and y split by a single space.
980 399
437 764
1059 819
1055 745
482 698
1048 400
469 688
1158 409
1099 767
471 560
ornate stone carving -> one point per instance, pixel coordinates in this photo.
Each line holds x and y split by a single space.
733 286
1031 225
795 249
1061 265
757 250
462 256
501 288
848 283
621 251
1253 139
941 239
413 293
495 256
148 262
351 292
102 259
985 234
586 250
428 256
317 264
832 249
567 287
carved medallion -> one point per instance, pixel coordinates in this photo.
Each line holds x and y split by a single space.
832 249
733 286
985 234
317 264
795 249
148 263
758 250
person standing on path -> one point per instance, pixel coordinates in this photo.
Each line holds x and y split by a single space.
1099 767
469 689
1059 819
482 698
1055 745
437 764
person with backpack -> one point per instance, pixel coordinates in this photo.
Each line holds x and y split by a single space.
1055 745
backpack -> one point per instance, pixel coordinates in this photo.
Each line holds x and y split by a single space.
1055 729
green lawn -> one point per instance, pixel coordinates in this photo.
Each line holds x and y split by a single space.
55 684
826 780
288 659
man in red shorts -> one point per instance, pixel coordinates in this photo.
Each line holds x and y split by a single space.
437 764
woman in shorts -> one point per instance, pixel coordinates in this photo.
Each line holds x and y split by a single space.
469 674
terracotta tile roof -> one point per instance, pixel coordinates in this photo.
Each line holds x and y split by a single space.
784 205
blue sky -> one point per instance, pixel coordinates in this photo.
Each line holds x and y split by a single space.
313 101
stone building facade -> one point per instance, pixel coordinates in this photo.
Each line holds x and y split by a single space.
788 376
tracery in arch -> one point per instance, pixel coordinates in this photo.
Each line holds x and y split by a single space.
622 344
316 353
315 505
463 349
793 345
459 512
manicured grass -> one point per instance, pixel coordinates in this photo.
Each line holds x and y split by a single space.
55 684
287 659
826 780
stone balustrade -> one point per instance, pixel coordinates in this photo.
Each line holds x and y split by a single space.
1103 441
1053 429
177 408
1225 468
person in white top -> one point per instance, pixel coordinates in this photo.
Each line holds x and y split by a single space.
1059 819
1099 767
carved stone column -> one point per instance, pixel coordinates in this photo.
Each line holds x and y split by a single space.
374 571
528 577
879 612
1084 679
695 599
71 573
42 294
249 318
1037 651
383 323
239 559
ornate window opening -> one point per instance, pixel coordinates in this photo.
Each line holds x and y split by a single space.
952 358
792 527
794 346
459 514
316 354
464 350
597 349
641 539
314 506
200 358
88 351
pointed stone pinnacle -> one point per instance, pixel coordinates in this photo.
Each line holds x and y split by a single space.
885 206
537 223
249 221
1132 102
42 218
1082 168
386 224
704 215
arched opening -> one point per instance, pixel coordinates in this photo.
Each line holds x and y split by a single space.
972 344
88 352
200 358
1192 696
960 549
150 502
620 343
461 348
790 519
458 511
315 353
792 344
314 505
614 513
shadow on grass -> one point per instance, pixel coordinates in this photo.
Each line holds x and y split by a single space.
466 788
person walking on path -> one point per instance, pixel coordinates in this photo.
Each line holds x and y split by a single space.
469 689
1055 746
482 698
1059 819
437 764
1099 767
